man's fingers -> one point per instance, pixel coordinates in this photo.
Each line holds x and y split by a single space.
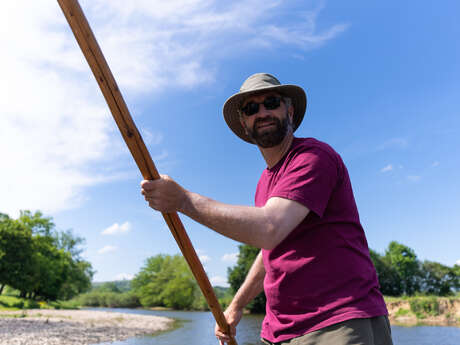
146 184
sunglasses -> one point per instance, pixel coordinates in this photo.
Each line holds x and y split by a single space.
270 103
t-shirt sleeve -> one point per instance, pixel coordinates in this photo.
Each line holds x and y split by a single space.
309 178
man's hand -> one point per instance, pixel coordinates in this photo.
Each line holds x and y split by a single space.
233 317
164 194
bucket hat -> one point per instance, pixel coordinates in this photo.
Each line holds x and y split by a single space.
261 83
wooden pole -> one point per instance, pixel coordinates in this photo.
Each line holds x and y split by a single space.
93 54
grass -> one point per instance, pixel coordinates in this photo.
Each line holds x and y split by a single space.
403 312
9 302
424 306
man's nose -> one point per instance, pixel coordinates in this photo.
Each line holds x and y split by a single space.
262 111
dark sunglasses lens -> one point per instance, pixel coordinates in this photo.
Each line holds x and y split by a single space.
271 103
251 108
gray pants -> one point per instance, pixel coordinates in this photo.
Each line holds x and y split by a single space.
372 331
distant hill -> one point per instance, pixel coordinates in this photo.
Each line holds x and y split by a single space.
221 291
125 285
113 286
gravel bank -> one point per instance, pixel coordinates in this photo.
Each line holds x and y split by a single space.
76 327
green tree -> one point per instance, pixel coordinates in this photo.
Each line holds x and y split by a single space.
237 274
404 261
15 254
439 279
51 269
37 223
390 283
38 260
79 271
165 281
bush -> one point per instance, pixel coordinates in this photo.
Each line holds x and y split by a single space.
108 299
423 306
19 305
31 304
402 312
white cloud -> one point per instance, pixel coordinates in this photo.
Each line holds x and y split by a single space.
117 229
53 128
56 132
151 138
394 143
414 178
204 259
219 281
107 249
458 262
177 43
387 168
124 276
232 257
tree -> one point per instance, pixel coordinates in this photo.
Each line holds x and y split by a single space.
15 254
390 283
439 279
51 269
404 261
79 272
165 281
237 274
38 260
36 222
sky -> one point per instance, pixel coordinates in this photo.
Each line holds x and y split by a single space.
383 86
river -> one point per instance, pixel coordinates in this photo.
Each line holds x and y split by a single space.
197 328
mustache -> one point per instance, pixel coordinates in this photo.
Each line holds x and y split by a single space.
264 120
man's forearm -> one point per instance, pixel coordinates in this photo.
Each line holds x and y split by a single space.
252 286
245 224
262 227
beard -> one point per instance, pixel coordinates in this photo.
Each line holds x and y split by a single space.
272 136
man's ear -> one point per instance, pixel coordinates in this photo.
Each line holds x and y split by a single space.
291 112
243 124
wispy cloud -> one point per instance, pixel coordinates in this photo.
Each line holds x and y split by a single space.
219 281
177 42
414 178
55 129
387 168
231 257
151 138
117 229
107 249
204 259
394 143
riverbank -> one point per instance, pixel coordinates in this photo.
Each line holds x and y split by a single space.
75 327
434 311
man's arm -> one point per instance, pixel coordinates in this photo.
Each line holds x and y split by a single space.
262 227
252 286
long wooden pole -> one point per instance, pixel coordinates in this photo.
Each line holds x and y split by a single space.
93 54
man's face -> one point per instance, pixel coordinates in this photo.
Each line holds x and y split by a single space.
267 127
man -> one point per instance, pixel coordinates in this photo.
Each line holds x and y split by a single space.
314 263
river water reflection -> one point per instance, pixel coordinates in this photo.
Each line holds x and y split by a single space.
197 328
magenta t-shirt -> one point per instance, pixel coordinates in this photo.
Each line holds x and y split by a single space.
321 274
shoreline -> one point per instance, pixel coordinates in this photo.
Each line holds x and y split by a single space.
76 327
447 315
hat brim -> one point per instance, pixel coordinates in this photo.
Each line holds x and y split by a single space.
233 104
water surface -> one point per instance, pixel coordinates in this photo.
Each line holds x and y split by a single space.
197 328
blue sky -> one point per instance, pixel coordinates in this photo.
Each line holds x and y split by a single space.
382 81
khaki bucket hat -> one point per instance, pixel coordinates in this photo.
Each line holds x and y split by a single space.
261 83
